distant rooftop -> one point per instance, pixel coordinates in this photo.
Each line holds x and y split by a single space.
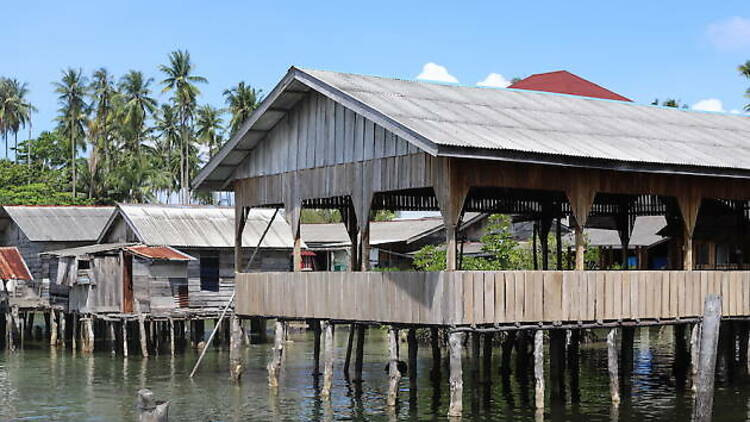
564 82
58 223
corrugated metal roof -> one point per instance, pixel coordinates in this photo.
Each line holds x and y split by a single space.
12 265
645 233
203 226
164 253
511 124
88 249
59 223
381 232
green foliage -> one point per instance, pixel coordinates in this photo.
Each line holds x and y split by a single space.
429 258
315 216
384 215
744 70
20 185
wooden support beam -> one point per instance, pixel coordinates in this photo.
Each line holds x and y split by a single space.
539 370
450 191
689 202
709 338
411 339
142 331
613 367
316 329
487 357
437 359
581 196
626 349
394 375
455 343
239 228
545 225
53 328
507 348
558 243
359 353
557 364
328 330
349 346
274 366
235 347
695 349
573 364
87 335
124 323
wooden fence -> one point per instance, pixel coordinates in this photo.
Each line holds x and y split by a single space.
464 298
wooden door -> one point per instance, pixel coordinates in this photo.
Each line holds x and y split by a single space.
127 283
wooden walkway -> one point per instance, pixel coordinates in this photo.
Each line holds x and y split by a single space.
488 298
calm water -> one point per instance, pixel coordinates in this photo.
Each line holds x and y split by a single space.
37 384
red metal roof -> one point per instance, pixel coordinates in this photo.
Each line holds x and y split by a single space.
159 252
12 265
564 82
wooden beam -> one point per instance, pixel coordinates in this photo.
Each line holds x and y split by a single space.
689 202
451 192
240 218
581 197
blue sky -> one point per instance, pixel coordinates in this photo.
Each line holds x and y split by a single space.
641 49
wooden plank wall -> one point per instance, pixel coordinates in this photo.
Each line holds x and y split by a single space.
482 298
319 132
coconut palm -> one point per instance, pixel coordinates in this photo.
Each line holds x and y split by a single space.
744 70
181 81
4 111
242 100
167 131
103 94
72 119
17 109
138 106
210 128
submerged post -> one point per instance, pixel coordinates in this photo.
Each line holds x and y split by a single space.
274 367
359 353
349 345
709 338
539 370
613 366
235 349
436 355
142 332
695 349
394 376
149 409
455 343
325 392
53 328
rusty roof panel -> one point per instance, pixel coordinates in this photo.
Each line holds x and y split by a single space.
164 253
12 265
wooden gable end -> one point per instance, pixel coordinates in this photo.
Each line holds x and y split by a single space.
320 132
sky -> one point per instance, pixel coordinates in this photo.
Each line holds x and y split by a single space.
688 50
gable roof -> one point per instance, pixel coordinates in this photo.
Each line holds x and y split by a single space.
645 233
159 253
12 265
564 82
200 226
508 124
58 223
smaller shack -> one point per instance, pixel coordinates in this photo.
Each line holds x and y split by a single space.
123 278
17 283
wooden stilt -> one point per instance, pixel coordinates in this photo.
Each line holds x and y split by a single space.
507 346
87 335
455 344
695 349
487 357
626 349
476 350
325 392
171 336
62 329
124 324
143 336
613 366
53 328
274 367
112 337
74 338
573 364
557 364
315 324
709 337
149 409
539 369
235 349
411 339
436 353
743 335
359 353
394 375
349 346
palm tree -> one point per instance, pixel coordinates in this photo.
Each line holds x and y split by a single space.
744 70
242 100
181 81
73 113
4 111
17 110
167 128
138 106
103 94
209 128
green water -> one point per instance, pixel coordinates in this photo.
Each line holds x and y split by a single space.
40 385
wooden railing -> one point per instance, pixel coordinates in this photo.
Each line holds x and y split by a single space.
464 298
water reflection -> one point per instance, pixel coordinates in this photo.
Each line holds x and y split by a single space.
43 384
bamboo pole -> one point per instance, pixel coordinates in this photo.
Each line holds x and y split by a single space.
234 293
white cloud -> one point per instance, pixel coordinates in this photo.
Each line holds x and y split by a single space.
434 72
730 34
709 104
494 80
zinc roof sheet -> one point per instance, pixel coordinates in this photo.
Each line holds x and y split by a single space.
60 223
12 265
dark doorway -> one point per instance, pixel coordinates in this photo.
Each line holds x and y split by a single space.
210 273
127 283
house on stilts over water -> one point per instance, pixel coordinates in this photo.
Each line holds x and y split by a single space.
359 144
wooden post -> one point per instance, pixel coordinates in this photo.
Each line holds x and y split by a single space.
149 409
487 357
274 367
74 337
455 343
709 338
124 323
626 349
63 318
359 353
436 353
394 375
349 345
544 229
742 337
694 355
450 191
507 347
475 355
580 248
143 338
53 328
612 365
171 336
112 337
87 335
573 364
557 364
534 252
239 227
325 392
316 346
411 339
539 369
558 242
235 349
689 202
581 197
364 244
